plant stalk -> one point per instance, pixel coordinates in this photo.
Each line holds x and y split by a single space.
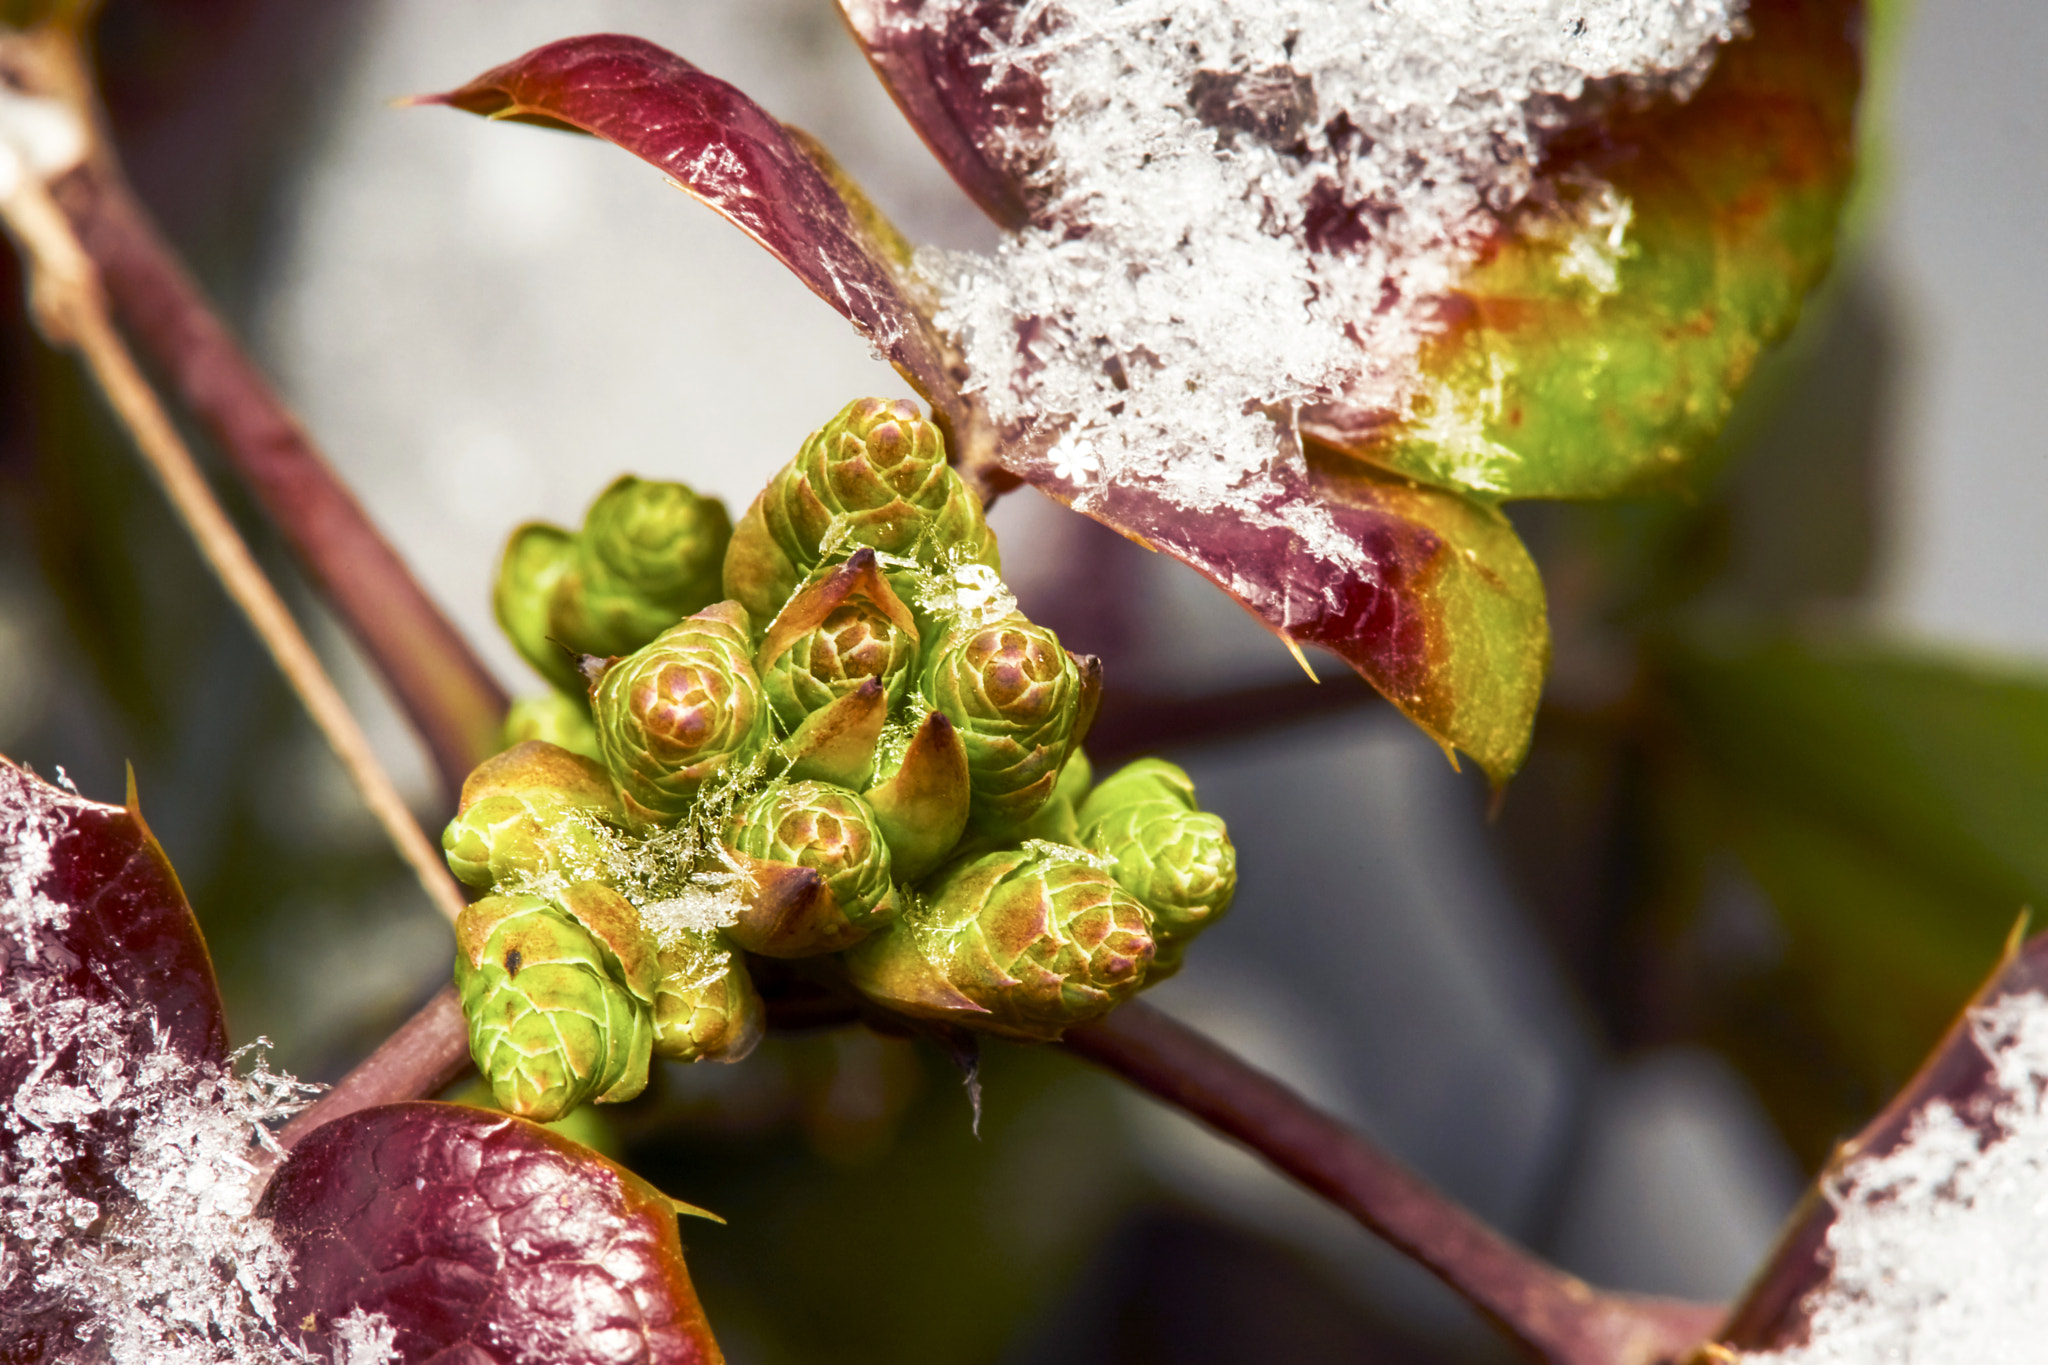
72 310
422 1058
450 697
1553 1316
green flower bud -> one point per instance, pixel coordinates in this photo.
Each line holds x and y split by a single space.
921 797
1176 859
842 628
650 553
705 1008
838 742
552 717
1057 821
671 715
559 996
1021 942
875 475
797 828
1015 696
531 813
536 559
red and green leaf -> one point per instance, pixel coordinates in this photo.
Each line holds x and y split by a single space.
485 1238
1734 196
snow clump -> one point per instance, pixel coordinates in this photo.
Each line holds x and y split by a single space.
1251 207
1940 1248
175 1269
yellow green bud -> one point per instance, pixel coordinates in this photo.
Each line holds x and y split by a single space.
705 1007
1175 858
1015 696
875 475
649 554
676 712
1021 942
558 995
820 868
533 813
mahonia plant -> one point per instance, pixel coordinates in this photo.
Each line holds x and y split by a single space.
861 754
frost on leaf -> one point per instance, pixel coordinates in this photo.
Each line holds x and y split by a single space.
1939 1247
130 1142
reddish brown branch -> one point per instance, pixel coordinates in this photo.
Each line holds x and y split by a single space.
427 1053
1554 1316
451 699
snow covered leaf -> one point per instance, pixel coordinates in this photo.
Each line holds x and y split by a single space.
773 182
105 987
1925 1241
1600 339
483 1238
1471 242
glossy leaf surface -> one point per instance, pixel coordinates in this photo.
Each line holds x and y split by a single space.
1429 597
1890 805
91 915
484 1238
1562 390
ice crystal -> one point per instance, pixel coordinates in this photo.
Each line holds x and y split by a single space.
173 1268
364 1339
1252 208
680 878
1939 1249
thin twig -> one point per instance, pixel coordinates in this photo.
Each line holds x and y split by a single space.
72 310
1554 1316
426 1054
447 693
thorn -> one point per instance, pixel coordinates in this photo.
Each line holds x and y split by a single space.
1302 659
684 1210
2016 938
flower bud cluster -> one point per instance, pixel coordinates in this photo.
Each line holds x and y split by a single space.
863 755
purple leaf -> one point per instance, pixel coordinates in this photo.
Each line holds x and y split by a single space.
483 1238
773 182
935 60
101 964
